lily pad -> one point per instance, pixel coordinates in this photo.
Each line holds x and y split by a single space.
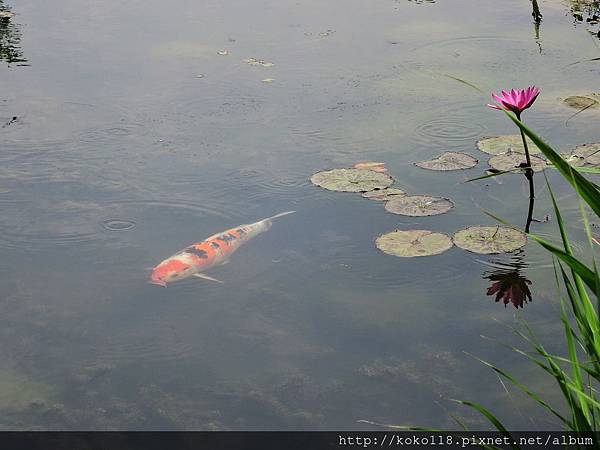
588 153
411 243
419 205
509 161
371 165
489 240
582 101
351 180
497 145
573 160
258 62
383 195
449 161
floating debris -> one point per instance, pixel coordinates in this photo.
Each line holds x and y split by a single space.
419 205
383 195
223 52
6 14
326 33
200 75
496 145
512 160
258 62
489 240
449 161
4 191
583 101
351 180
118 224
267 80
371 165
586 154
411 243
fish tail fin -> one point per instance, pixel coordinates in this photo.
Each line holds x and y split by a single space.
281 215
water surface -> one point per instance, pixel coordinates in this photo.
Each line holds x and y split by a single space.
128 136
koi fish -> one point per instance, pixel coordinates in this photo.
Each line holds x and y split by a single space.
214 251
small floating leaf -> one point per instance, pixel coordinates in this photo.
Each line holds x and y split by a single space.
449 161
581 101
371 165
419 205
588 153
509 161
497 145
223 52
268 80
258 62
200 75
383 195
489 240
351 180
410 243
4 191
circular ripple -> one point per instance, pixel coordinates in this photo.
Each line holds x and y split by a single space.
118 224
111 133
450 129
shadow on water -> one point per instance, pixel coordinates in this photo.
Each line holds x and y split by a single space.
10 38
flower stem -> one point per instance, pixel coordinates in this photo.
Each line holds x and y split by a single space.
529 176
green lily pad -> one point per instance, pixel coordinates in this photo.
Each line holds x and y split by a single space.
449 161
419 205
582 101
497 145
588 153
509 161
489 240
383 195
351 180
411 243
258 62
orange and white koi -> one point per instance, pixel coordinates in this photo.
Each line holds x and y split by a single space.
214 251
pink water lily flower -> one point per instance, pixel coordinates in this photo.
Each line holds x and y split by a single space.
516 100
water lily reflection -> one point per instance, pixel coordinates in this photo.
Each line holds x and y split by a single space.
508 285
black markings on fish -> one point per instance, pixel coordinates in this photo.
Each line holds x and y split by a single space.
227 237
215 245
198 252
241 231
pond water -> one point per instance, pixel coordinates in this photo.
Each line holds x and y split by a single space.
132 129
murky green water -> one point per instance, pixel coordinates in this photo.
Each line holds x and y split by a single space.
121 154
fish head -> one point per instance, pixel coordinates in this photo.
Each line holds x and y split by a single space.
169 271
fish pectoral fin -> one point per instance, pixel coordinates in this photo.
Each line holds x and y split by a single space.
206 277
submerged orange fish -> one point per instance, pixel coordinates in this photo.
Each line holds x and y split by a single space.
214 251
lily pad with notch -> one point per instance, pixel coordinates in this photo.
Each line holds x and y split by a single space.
449 161
384 195
419 205
512 160
411 243
489 240
351 180
497 145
